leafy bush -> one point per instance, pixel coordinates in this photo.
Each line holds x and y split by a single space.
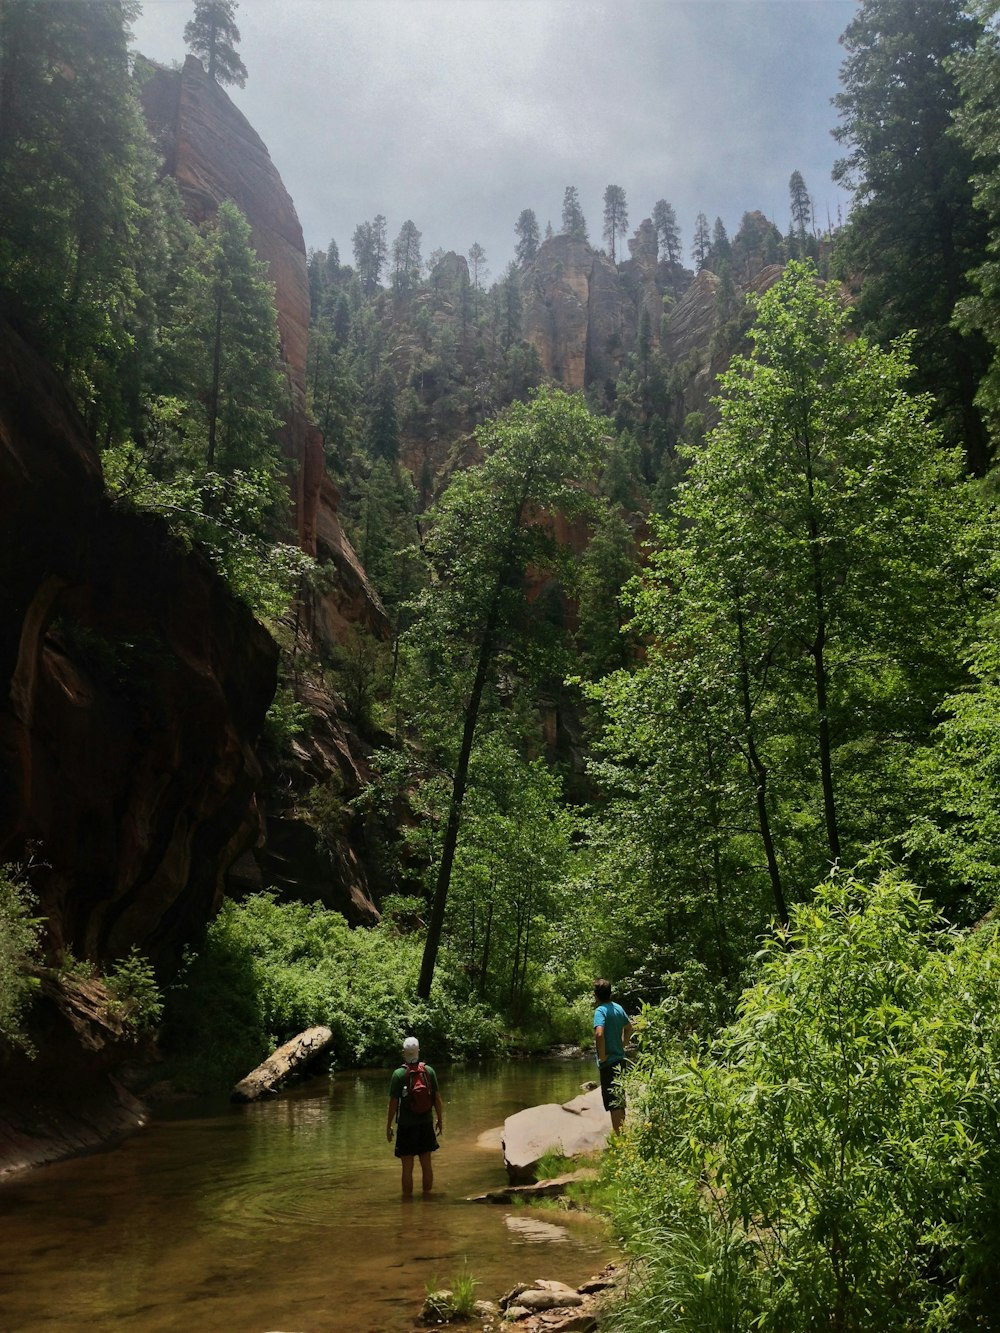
266 970
19 951
831 1159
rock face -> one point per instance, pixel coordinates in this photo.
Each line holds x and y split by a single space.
572 1128
132 691
214 154
577 315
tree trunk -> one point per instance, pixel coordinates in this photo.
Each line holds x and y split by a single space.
213 402
758 776
285 1060
435 923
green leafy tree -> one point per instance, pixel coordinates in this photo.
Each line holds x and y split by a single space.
573 222
615 216
213 36
483 536
526 230
913 235
801 617
667 231
829 1159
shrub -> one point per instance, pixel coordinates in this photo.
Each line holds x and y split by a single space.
266 970
830 1159
19 952
132 983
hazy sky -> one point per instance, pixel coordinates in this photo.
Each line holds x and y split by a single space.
460 113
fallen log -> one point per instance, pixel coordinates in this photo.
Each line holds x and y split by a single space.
285 1060
542 1189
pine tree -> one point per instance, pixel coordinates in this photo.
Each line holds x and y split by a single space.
913 235
573 222
615 216
702 242
406 257
801 205
213 36
526 230
667 232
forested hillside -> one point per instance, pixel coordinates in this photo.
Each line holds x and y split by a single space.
390 648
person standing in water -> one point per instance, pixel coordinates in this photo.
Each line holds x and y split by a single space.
612 1030
414 1104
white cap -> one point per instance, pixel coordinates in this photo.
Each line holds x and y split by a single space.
411 1050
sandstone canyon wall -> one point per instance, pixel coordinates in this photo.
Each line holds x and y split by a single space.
132 691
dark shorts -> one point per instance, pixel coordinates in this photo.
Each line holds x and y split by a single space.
412 1140
612 1092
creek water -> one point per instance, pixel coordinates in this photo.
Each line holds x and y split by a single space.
284 1215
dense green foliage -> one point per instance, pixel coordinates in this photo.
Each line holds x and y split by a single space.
20 952
267 970
829 1159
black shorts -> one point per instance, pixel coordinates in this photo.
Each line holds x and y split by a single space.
612 1092
415 1139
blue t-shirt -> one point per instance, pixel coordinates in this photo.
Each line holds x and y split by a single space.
613 1018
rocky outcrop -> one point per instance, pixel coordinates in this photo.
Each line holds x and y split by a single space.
577 315
132 689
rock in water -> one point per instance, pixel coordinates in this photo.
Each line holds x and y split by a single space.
572 1128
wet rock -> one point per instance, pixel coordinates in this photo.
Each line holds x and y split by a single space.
550 1188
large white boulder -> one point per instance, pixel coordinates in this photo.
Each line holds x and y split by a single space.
571 1128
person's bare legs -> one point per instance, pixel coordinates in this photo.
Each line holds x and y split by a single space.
617 1118
426 1170
407 1165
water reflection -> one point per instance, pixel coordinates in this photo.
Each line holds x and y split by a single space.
286 1214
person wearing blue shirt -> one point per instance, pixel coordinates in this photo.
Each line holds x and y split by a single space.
612 1031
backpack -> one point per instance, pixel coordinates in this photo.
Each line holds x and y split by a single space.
417 1089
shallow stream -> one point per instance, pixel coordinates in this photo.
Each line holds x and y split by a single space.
285 1215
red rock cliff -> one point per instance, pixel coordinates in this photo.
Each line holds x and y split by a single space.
214 154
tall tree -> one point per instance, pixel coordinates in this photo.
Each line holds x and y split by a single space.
800 204
913 234
526 230
482 539
573 222
799 614
406 257
701 243
615 216
976 119
222 344
75 190
667 232
369 245
213 36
